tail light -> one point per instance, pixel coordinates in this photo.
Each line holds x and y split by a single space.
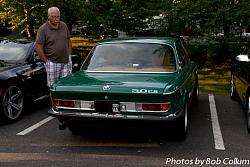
76 104
63 103
156 107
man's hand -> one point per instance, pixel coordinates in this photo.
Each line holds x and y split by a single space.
40 52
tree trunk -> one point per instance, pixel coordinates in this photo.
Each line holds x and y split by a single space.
31 30
226 28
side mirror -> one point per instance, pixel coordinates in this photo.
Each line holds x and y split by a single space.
242 58
76 62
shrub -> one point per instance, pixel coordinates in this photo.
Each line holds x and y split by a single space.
208 52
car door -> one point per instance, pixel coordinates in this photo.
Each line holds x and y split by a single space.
241 80
187 67
33 76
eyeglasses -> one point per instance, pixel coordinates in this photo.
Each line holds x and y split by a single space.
54 17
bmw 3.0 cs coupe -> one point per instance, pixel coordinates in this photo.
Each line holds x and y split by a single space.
134 79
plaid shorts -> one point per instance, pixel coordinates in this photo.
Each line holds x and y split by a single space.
56 71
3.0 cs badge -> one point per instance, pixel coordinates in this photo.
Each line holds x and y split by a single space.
134 79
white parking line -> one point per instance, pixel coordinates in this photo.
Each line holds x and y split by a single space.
35 126
218 139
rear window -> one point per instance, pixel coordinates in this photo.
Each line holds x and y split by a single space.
135 57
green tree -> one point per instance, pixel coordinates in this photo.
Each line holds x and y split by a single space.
27 15
183 17
205 16
22 15
224 13
96 16
125 15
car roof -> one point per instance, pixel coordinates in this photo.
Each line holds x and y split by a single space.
159 40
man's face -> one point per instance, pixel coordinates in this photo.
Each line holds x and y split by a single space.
54 18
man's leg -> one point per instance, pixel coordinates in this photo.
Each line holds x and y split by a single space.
66 69
53 72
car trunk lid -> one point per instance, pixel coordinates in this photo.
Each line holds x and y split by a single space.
143 83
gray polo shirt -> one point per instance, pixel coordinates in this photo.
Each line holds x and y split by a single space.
55 42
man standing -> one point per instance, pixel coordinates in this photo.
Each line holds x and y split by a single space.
53 45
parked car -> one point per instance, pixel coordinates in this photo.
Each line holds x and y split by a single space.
134 79
240 83
22 77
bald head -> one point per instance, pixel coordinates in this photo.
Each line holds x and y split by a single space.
54 16
53 10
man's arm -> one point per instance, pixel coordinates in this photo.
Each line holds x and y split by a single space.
70 47
40 52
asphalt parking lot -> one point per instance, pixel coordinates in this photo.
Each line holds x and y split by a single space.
217 137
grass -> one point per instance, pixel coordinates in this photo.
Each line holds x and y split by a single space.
82 46
215 80
81 42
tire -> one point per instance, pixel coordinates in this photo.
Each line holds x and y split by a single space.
181 125
248 114
233 93
12 104
195 94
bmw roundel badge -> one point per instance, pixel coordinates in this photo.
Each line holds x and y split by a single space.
106 88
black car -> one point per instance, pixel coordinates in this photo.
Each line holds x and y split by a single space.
22 77
240 82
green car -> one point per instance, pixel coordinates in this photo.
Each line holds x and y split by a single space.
134 79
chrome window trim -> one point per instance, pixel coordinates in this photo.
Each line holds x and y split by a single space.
139 72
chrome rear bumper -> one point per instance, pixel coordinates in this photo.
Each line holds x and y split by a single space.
117 116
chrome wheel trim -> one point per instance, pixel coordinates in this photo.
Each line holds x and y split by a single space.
13 102
197 91
185 119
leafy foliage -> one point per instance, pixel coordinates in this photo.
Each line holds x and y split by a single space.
183 17
21 14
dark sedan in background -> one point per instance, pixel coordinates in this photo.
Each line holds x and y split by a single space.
240 82
22 77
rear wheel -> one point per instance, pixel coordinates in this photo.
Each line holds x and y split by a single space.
181 127
12 103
